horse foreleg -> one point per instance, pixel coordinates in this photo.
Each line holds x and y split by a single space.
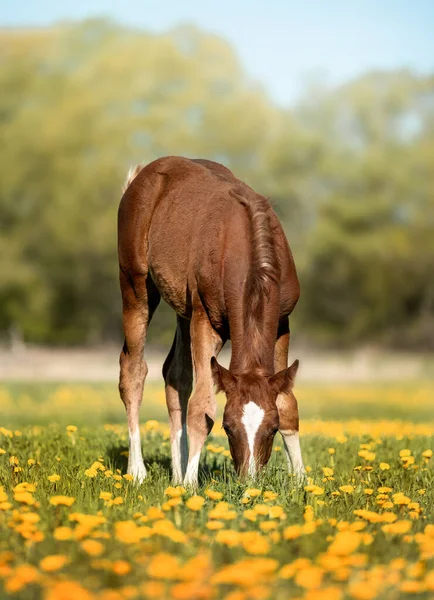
287 405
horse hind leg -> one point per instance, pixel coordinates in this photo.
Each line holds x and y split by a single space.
202 406
140 298
178 377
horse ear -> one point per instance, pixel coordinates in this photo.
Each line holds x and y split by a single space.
283 381
223 379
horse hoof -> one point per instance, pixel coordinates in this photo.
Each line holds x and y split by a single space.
138 472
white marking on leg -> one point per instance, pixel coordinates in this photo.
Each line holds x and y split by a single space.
252 419
192 470
291 441
136 466
176 457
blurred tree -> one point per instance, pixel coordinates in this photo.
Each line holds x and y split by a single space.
349 172
81 104
371 251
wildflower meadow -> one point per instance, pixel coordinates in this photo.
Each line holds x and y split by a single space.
74 526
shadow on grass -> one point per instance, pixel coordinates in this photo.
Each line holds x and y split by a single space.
156 464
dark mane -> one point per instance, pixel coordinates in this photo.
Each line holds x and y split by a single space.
264 271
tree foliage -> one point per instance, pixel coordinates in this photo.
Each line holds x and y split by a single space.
349 172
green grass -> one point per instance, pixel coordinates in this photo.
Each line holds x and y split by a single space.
372 560
93 403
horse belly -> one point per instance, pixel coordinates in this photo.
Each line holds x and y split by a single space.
168 257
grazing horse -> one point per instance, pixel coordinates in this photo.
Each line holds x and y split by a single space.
191 232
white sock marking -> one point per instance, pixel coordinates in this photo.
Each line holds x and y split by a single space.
291 441
252 419
177 457
192 470
136 466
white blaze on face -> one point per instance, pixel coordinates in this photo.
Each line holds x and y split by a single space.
252 419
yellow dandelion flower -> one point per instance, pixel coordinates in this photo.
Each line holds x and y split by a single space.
53 478
250 514
269 496
348 489
127 532
163 566
24 497
288 571
309 578
68 590
153 589
154 513
427 453
222 511
316 490
53 562
62 500
292 532
195 503
63 533
121 567
397 528
276 512
92 547
215 525
246 572
345 542
213 495
384 466
174 492
252 492
261 509
400 499
91 473
228 537
255 543
369 456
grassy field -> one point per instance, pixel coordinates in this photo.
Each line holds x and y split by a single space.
74 527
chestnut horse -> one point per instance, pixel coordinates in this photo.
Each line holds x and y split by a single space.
191 232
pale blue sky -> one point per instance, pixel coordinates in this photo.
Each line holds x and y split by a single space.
280 43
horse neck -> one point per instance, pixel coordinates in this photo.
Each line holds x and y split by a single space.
254 331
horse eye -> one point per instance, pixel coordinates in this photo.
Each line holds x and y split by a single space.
227 429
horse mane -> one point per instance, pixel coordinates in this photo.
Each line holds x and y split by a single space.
264 270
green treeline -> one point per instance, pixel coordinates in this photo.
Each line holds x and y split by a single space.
350 172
